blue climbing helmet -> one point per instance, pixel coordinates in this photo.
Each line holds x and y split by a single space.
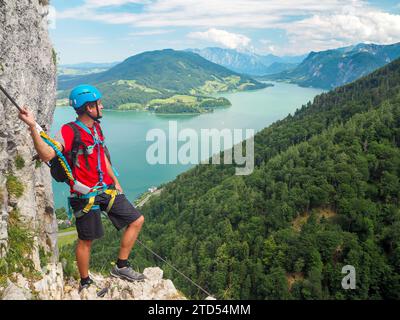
82 94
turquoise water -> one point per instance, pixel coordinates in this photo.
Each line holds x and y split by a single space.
126 132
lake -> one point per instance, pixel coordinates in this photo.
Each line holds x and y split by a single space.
126 132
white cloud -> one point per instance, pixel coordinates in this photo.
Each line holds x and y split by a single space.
308 24
204 13
343 28
222 37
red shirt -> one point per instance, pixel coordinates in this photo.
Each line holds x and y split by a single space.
88 177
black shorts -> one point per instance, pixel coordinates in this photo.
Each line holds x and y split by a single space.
90 227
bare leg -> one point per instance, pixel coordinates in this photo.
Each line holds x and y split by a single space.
129 238
83 256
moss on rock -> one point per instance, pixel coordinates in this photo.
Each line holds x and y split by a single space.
19 162
14 186
20 240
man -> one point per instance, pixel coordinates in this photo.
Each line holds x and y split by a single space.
82 143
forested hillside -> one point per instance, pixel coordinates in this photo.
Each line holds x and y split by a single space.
149 80
324 194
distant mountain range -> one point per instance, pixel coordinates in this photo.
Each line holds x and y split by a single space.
90 65
247 62
277 67
163 78
326 69
84 68
332 68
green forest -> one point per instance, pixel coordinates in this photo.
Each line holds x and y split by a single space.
324 194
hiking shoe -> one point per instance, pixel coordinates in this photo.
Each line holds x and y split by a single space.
85 285
127 273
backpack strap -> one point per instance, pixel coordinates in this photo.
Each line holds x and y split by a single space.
98 142
106 151
76 146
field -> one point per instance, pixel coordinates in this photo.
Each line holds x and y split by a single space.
67 236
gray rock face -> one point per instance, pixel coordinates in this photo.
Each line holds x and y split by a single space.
153 288
14 292
28 72
53 286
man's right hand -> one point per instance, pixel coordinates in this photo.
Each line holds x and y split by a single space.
27 116
45 152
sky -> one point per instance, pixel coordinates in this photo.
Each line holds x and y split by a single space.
113 30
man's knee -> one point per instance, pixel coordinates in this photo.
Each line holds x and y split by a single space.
85 243
138 222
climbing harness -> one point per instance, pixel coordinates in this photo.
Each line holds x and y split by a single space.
97 143
100 187
91 199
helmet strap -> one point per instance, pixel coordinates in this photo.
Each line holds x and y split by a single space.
98 114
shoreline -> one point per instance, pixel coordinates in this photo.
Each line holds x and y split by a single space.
158 113
145 111
212 95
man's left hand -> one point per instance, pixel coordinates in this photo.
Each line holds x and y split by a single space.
119 188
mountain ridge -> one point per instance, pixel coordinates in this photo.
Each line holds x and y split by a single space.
332 68
245 62
140 81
